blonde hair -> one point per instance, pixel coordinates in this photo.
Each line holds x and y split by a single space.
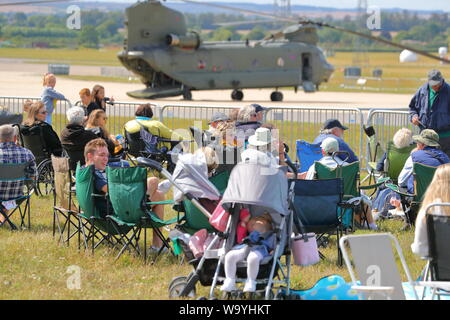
212 160
266 219
93 121
224 130
47 78
402 138
439 188
246 112
27 105
32 112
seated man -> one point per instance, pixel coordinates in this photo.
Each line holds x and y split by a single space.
144 120
249 118
334 129
329 146
11 153
96 154
427 153
74 137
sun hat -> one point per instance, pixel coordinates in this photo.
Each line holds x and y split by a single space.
262 137
428 137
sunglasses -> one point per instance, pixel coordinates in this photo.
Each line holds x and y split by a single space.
43 112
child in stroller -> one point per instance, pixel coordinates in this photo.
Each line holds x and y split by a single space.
258 244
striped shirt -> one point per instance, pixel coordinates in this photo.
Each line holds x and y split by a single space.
10 153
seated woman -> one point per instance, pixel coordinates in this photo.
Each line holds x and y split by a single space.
144 114
226 146
437 192
99 100
97 124
35 118
402 139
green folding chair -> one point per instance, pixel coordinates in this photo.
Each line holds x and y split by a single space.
194 219
93 226
423 175
16 172
395 160
349 173
127 189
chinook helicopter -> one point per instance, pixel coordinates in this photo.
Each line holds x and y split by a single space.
172 61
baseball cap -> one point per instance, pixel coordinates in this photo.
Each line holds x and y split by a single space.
219 116
428 137
333 123
258 108
330 145
435 77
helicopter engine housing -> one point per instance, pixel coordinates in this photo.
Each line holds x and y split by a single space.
189 41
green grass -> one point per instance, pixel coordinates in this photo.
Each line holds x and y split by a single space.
104 57
35 266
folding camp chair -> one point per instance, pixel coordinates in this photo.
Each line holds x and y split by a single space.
17 174
437 274
65 210
127 190
423 175
375 264
307 153
33 140
374 153
194 219
93 226
315 205
395 160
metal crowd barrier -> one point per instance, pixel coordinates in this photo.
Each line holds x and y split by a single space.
15 105
293 122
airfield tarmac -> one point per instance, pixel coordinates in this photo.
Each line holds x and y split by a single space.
25 79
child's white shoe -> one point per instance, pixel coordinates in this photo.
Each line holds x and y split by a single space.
228 285
250 285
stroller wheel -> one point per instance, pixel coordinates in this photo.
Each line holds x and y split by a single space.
177 280
177 290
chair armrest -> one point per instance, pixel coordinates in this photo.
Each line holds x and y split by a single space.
396 189
373 289
445 285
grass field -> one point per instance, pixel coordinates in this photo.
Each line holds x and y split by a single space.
35 266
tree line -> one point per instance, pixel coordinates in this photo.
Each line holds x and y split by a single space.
107 28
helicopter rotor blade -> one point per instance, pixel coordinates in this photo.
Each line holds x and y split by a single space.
325 25
7 4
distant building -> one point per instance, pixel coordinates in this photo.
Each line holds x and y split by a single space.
41 45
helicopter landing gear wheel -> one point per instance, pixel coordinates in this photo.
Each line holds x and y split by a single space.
187 94
237 95
276 96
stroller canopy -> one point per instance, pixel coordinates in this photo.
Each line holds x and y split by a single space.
258 185
191 174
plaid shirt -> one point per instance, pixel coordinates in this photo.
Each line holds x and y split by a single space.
12 153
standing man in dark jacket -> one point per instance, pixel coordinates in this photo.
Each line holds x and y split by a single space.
430 108
74 137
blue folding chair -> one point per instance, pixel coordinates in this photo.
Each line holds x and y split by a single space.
307 153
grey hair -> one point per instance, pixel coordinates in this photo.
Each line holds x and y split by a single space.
75 115
245 113
328 131
402 138
8 132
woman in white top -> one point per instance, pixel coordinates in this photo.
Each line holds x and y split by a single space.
437 192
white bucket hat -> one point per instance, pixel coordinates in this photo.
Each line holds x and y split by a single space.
262 137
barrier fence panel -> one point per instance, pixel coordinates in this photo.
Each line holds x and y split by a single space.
121 112
15 105
386 123
304 123
182 116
